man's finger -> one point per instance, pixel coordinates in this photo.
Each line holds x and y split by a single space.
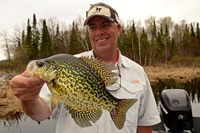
23 81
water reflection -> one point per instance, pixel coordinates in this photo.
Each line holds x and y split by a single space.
191 87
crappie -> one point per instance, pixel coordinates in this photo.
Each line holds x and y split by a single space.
80 83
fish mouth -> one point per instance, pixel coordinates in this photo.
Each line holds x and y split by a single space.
31 68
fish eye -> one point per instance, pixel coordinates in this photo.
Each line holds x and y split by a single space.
40 64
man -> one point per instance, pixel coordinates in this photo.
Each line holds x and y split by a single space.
104 30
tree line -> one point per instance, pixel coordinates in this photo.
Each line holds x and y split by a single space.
157 41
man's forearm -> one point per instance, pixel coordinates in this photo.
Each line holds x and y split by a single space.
37 109
144 129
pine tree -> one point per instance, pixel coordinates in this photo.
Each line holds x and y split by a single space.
23 44
161 45
186 40
75 47
36 38
192 31
144 47
153 44
21 50
198 32
131 44
72 47
167 43
135 46
29 41
57 47
88 39
46 48
173 49
122 41
194 41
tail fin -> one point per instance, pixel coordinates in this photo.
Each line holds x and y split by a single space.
118 114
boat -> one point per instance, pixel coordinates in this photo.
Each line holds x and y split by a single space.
176 113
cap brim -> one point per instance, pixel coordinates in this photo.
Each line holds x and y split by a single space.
88 18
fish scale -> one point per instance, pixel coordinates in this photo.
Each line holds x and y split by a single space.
80 83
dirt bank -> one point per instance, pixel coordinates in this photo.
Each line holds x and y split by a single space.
182 74
154 73
10 106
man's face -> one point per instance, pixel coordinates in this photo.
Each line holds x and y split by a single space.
103 34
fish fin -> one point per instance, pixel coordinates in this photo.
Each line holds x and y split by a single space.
53 103
83 118
103 69
118 114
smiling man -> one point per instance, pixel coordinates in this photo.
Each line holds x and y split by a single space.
104 30
103 36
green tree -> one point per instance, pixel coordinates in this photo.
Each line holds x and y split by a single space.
186 41
144 47
46 48
173 48
167 43
75 47
135 46
153 44
197 31
122 41
57 44
29 41
152 36
36 39
132 48
23 39
198 40
21 50
161 45
192 33
194 42
72 46
87 39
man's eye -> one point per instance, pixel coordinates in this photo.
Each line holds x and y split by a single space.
92 27
106 25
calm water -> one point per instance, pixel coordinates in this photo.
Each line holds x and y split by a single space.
48 126
30 126
191 87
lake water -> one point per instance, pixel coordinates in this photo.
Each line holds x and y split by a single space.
30 126
49 126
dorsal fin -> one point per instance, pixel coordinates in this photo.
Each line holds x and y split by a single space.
103 69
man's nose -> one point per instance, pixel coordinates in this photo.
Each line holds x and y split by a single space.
99 32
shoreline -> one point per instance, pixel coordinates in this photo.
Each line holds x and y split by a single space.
180 74
154 73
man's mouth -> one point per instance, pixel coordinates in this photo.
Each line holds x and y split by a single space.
102 40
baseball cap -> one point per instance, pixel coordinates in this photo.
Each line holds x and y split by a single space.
101 9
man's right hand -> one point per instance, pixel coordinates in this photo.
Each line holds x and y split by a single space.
26 88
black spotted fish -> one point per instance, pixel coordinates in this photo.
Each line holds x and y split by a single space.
81 84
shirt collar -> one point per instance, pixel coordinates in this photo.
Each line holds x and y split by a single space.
122 59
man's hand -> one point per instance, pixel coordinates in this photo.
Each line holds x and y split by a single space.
26 88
